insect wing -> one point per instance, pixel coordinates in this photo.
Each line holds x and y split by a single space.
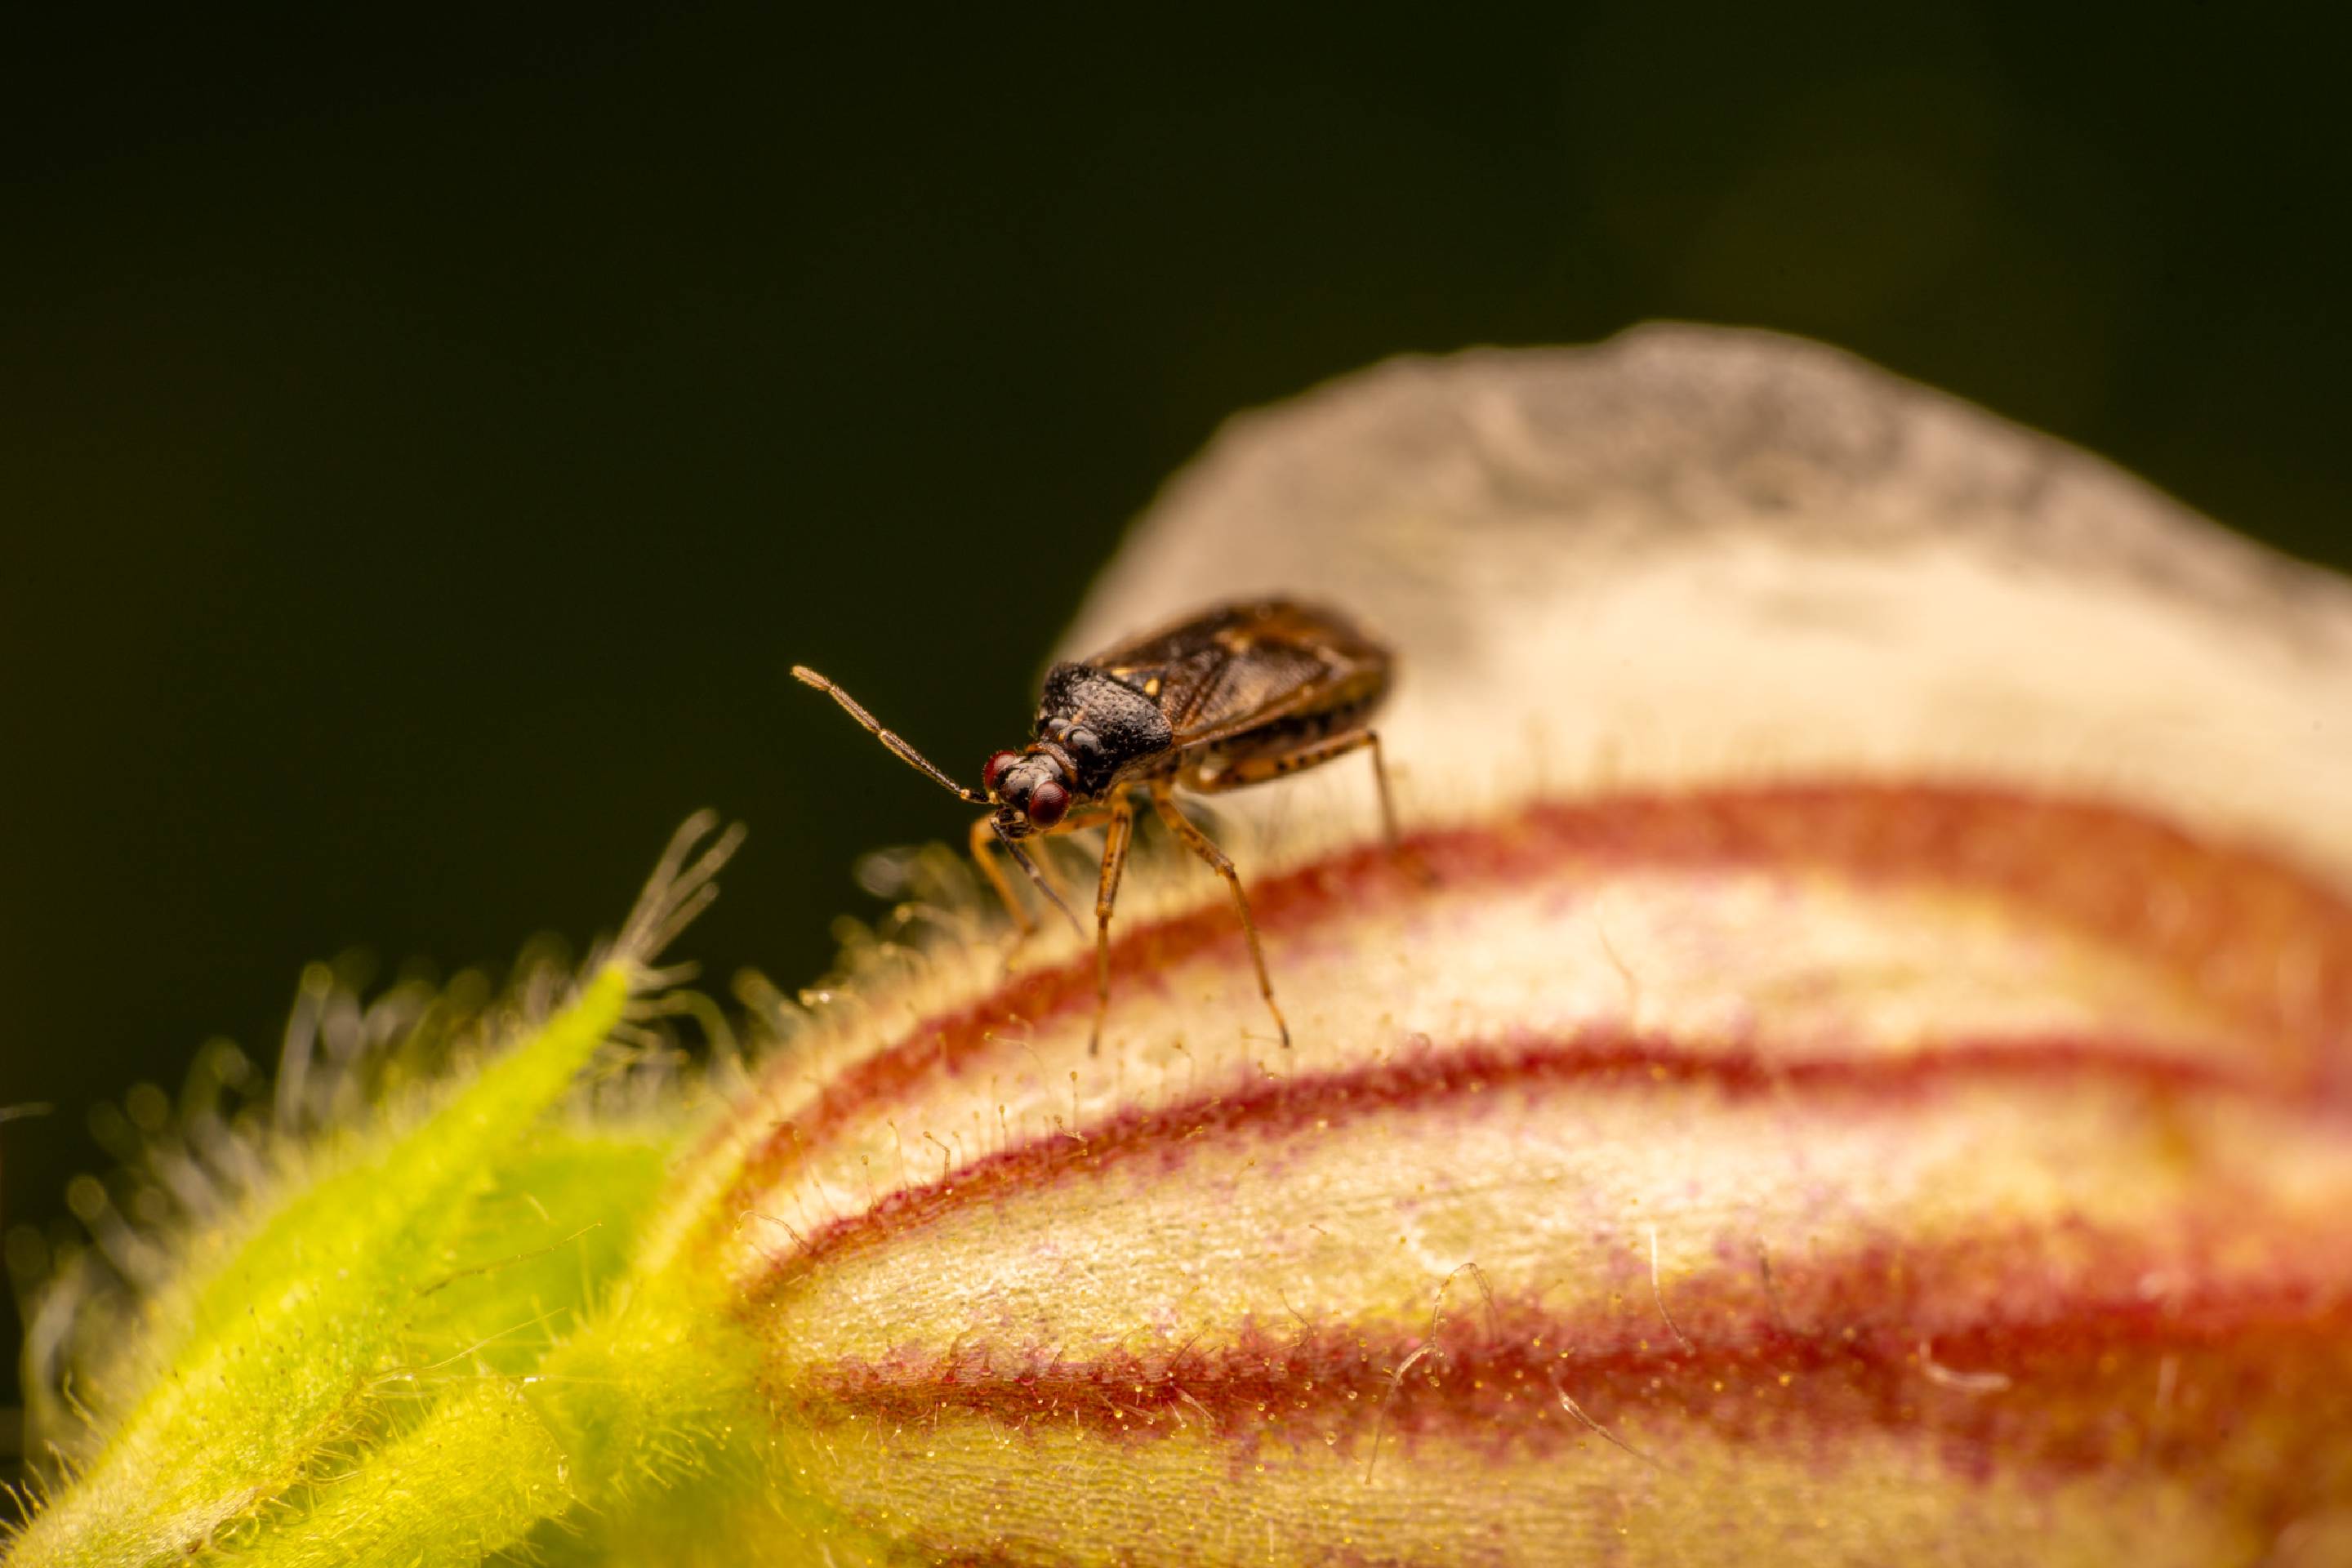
1242 666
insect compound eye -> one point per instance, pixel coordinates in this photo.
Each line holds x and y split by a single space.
1047 802
992 774
1085 748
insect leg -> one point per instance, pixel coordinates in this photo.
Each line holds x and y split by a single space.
1198 843
1257 770
1380 778
1114 861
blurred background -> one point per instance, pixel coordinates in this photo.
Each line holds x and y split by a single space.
424 446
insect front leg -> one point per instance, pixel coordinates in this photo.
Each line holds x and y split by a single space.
1198 843
1114 862
1258 770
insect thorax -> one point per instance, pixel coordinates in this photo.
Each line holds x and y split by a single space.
1127 727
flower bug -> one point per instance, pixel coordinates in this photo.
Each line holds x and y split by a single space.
1235 695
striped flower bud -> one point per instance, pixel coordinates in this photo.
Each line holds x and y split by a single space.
1938 1152
1810 1170
1853 1065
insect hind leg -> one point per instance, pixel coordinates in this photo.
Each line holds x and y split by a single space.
1198 843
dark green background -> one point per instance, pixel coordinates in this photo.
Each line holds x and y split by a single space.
426 445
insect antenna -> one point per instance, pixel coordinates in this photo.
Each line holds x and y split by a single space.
1044 887
906 753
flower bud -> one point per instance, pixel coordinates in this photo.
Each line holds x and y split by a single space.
1940 1152
1852 1063
1800 1173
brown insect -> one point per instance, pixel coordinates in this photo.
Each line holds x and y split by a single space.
1234 696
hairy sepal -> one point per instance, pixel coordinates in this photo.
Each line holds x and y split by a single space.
334 1372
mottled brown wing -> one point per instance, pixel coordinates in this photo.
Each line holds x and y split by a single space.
1240 665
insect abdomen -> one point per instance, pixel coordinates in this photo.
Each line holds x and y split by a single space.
1280 736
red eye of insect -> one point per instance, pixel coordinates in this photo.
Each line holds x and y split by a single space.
1046 804
994 771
